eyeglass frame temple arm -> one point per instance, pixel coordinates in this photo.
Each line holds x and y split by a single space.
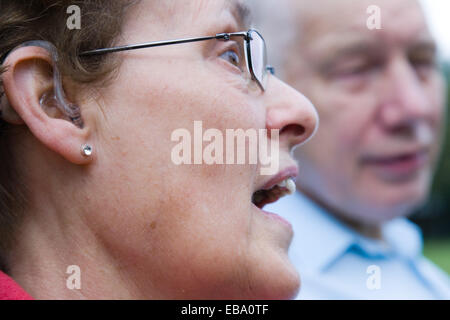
219 36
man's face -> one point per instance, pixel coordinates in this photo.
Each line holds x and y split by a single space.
380 97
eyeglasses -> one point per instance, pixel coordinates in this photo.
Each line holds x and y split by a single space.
255 51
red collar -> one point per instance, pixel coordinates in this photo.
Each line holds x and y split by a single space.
10 290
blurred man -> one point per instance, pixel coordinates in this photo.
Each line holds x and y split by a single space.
372 74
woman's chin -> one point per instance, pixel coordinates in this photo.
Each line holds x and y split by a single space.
275 278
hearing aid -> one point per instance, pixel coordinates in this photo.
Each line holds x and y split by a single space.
55 98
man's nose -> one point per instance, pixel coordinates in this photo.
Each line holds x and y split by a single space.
290 112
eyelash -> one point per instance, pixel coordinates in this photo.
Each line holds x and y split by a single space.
233 47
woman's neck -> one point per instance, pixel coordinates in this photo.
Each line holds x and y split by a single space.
54 260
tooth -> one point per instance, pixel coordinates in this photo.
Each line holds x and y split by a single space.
290 184
282 184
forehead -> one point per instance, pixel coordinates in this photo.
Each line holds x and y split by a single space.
402 22
239 8
217 11
177 18
204 12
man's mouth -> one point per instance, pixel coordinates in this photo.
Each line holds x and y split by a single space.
263 197
400 165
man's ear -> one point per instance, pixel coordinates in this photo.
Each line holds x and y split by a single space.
28 84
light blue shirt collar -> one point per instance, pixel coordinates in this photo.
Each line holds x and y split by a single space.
333 259
314 224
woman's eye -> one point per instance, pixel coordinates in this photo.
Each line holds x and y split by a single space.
232 57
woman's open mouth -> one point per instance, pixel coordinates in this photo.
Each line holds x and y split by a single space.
280 185
266 196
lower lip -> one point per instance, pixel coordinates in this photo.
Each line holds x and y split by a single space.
402 168
276 217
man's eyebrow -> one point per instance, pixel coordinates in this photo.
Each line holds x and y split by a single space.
360 47
353 49
425 45
242 13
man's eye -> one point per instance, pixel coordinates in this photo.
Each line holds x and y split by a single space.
232 57
358 70
424 62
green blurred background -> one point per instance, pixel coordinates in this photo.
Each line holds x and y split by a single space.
434 218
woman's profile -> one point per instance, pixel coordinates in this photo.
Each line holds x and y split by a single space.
87 178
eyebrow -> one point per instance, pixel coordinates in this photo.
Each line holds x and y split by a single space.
369 48
355 48
428 45
350 50
241 12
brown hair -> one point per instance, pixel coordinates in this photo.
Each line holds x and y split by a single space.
25 20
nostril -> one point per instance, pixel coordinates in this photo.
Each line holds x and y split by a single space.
294 130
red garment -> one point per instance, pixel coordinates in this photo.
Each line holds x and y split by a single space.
10 290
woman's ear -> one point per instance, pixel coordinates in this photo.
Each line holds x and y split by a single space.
29 87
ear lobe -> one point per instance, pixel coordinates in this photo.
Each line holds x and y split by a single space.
28 84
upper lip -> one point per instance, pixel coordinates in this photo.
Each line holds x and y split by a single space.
289 172
393 155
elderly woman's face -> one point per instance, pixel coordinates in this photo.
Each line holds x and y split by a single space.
191 231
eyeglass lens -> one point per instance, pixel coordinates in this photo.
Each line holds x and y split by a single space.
258 58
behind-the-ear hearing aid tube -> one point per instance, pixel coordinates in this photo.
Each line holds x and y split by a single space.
70 110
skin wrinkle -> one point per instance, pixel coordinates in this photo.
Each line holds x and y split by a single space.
204 217
344 184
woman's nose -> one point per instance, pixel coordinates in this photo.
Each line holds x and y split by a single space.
290 112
